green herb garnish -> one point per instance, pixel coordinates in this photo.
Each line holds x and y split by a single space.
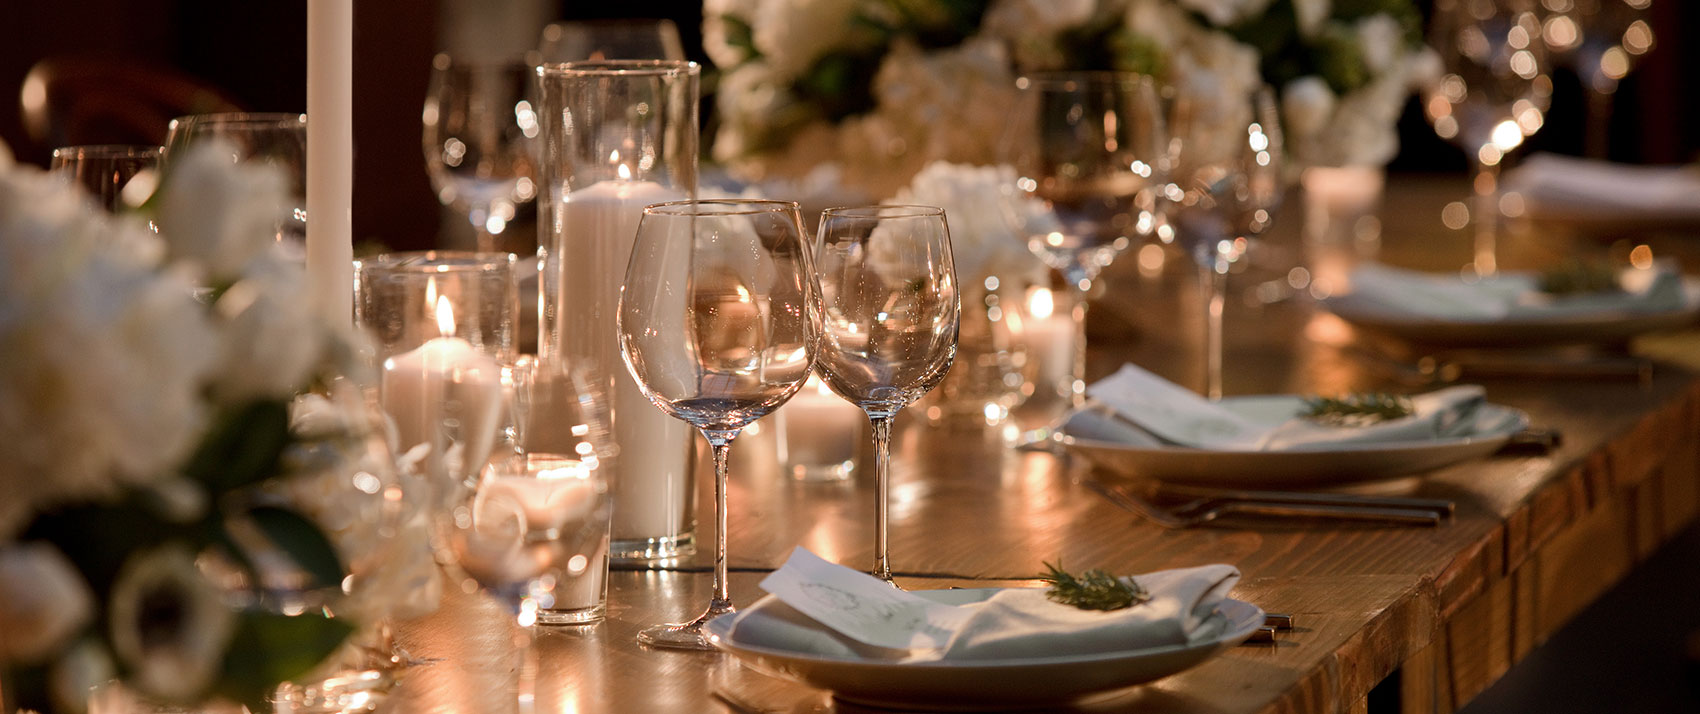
1092 590
1578 277
1357 409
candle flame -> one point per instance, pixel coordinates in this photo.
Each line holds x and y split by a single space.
1041 304
445 317
625 172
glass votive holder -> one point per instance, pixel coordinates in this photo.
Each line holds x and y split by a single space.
820 433
117 176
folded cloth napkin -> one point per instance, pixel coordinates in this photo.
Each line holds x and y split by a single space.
821 608
1180 417
1510 295
1567 188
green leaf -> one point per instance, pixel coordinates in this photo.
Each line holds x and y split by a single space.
243 447
269 649
302 541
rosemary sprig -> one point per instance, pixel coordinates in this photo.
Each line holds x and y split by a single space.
1577 277
1092 590
1356 409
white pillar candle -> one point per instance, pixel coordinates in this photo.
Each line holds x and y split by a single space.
330 158
444 378
651 480
820 432
1047 330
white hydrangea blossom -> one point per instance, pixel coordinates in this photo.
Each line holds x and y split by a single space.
1226 12
1031 28
220 214
989 219
792 34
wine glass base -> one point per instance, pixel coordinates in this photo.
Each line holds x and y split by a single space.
684 636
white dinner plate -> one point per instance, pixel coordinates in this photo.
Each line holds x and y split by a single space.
1521 330
977 685
1114 445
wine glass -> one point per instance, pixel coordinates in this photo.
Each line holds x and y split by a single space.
1601 40
888 284
1494 93
1227 183
277 140
117 176
479 121
1088 145
596 40
719 318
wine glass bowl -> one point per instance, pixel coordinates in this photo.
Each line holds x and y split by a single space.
479 120
719 318
272 139
1227 183
891 315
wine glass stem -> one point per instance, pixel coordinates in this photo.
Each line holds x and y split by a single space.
721 444
1213 278
1485 183
1598 142
1077 376
882 491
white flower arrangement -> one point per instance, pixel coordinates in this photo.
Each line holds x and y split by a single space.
155 497
884 87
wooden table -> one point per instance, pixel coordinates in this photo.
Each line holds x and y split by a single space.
1448 610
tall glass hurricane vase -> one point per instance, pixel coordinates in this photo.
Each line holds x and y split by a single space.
719 320
888 284
617 136
1227 184
1088 144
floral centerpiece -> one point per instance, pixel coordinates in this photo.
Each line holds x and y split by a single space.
173 514
883 87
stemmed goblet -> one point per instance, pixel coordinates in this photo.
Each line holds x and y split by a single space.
889 332
479 120
1090 146
277 140
719 319
1494 93
1601 40
1226 185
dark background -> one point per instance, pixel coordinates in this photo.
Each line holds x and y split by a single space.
256 52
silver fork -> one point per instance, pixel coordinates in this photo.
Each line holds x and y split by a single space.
1207 510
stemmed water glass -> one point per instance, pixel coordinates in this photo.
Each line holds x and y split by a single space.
889 332
117 176
479 121
277 140
1494 93
719 318
1226 186
613 39
1089 145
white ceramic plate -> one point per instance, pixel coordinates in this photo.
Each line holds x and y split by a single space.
1114 445
1595 327
984 684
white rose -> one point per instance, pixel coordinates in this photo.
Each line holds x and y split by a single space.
1311 14
792 34
271 339
1226 12
1307 104
43 602
177 659
1383 41
715 14
218 213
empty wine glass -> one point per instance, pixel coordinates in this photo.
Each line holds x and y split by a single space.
1226 185
1602 40
596 40
277 140
719 318
1087 144
118 176
1494 93
889 333
479 121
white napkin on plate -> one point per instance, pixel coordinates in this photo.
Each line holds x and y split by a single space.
1569 188
1510 295
1180 417
817 607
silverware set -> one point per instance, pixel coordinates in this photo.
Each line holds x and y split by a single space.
1185 508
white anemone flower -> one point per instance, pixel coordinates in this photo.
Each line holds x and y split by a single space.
169 626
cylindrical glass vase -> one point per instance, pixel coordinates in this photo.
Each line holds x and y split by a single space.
617 136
